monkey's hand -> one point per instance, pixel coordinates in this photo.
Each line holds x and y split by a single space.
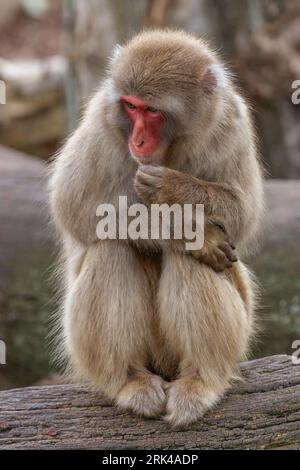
159 185
217 251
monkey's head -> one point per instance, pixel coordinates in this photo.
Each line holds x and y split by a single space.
165 84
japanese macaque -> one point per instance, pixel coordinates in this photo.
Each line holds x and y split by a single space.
156 328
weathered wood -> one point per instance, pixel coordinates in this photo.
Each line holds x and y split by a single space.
263 412
34 118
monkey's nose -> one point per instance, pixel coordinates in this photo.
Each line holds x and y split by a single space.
140 143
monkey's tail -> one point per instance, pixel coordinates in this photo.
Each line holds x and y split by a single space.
247 286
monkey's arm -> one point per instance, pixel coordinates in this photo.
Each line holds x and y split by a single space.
75 192
223 209
223 203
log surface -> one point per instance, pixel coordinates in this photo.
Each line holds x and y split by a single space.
263 412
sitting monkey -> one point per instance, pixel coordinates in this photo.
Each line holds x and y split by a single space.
158 329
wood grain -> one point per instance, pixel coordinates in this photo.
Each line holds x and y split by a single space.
260 413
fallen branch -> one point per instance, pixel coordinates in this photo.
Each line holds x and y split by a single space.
34 117
261 413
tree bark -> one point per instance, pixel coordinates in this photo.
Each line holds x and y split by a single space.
260 413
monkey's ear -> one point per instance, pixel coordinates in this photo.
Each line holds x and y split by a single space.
215 77
116 54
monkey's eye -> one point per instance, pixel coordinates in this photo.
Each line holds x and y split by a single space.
150 109
130 105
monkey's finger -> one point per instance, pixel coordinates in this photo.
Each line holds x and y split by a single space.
196 254
151 173
142 184
229 252
148 180
218 261
152 170
219 268
145 193
222 260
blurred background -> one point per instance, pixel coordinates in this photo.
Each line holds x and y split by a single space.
52 55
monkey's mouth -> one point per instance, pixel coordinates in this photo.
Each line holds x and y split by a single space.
143 157
143 151
146 160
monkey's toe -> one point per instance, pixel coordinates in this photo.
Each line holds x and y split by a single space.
144 395
188 400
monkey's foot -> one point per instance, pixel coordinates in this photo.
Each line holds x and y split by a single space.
144 394
188 400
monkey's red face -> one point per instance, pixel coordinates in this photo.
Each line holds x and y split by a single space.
146 128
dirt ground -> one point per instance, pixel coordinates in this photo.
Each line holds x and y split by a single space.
31 38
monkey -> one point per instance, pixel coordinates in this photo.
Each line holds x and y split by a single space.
157 329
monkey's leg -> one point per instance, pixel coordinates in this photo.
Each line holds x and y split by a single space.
107 326
204 319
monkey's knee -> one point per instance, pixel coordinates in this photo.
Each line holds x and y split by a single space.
205 319
106 317
90 356
202 315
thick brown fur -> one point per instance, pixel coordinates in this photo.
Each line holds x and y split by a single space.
153 327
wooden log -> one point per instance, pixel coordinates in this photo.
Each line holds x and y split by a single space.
263 412
34 118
